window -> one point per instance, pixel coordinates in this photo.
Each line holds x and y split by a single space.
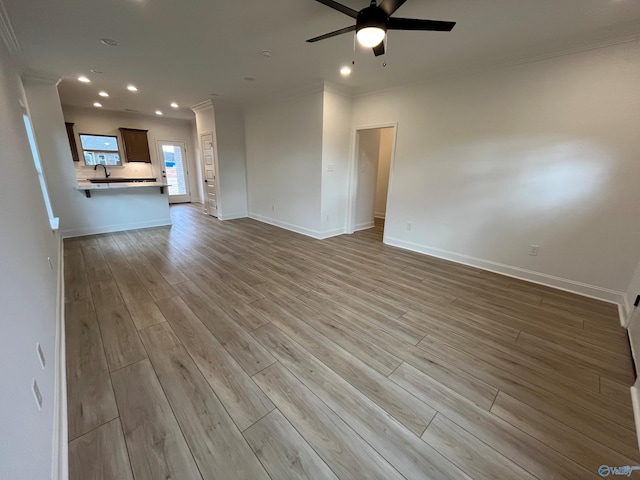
100 149
54 221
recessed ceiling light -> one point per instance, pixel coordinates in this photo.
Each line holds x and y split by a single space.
103 94
174 105
109 42
345 71
132 88
83 79
97 104
158 112
266 53
249 79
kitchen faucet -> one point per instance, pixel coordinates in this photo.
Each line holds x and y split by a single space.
106 174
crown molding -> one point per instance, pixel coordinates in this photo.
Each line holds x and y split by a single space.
6 31
336 89
70 108
202 106
603 38
41 77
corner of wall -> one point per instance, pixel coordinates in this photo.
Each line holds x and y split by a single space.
59 460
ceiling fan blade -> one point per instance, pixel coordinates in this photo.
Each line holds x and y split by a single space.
379 49
332 34
339 7
416 24
390 6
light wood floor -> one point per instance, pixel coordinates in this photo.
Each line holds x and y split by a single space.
237 350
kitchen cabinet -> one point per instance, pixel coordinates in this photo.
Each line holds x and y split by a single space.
135 145
72 142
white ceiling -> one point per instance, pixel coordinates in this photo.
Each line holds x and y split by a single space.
186 50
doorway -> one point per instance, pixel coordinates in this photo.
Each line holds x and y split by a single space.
374 149
174 162
209 175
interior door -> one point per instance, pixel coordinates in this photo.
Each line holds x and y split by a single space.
174 161
209 168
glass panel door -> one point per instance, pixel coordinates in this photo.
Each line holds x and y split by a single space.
175 168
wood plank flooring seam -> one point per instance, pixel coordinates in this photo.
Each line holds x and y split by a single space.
108 373
126 447
328 407
193 358
166 399
301 436
485 445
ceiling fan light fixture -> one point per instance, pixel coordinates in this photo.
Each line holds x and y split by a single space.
370 36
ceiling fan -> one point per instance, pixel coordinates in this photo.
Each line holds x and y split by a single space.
373 22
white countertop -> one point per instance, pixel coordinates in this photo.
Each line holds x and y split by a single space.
86 185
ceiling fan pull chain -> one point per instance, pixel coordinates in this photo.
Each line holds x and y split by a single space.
386 50
353 59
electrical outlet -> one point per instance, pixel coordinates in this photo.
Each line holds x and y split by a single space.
409 226
36 394
40 353
533 250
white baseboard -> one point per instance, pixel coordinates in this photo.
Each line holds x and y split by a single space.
60 450
232 216
81 232
635 401
632 329
379 215
559 283
296 228
287 226
364 226
332 233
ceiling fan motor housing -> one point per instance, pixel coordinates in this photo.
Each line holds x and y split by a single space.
371 16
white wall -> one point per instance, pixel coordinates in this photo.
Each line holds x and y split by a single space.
368 145
105 211
384 165
543 153
95 121
336 156
284 161
229 133
28 296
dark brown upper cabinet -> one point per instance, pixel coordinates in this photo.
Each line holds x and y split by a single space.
135 145
72 142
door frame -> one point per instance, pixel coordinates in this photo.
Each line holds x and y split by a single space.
185 164
353 172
